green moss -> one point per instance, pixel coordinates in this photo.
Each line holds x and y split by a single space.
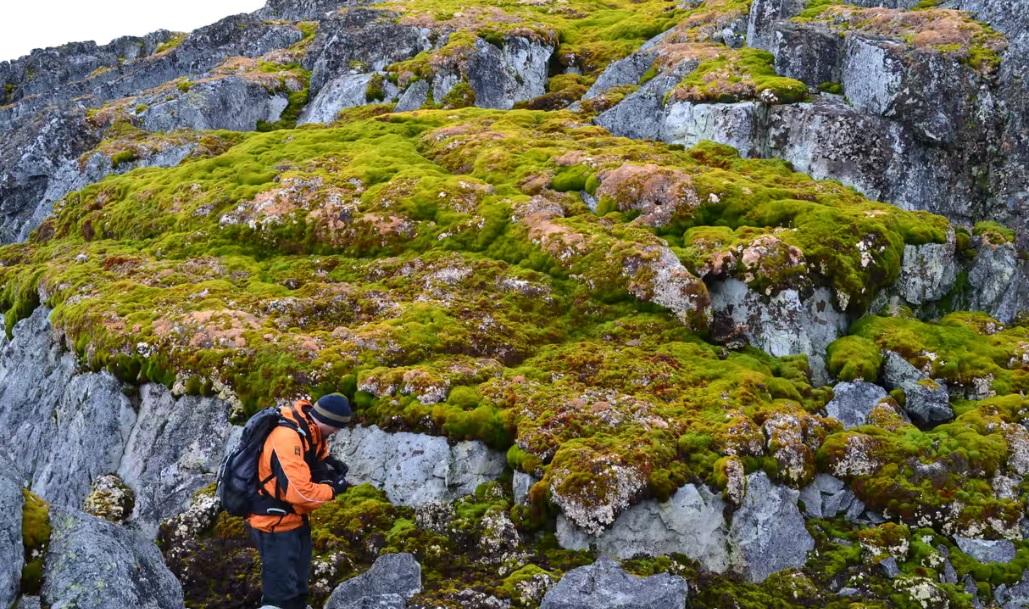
460 95
835 88
35 530
375 91
184 85
854 358
172 43
993 232
734 75
123 157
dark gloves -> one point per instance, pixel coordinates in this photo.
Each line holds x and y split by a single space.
339 486
338 466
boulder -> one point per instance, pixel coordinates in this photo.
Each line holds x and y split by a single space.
94 564
987 550
626 71
499 76
926 401
392 579
927 271
1015 596
690 523
225 103
740 125
767 532
998 280
61 428
520 485
852 401
10 539
413 98
604 585
416 469
828 496
342 92
764 15
110 499
784 324
174 449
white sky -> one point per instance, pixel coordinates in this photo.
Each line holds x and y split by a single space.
35 24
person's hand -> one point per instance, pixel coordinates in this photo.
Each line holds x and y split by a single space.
339 486
337 465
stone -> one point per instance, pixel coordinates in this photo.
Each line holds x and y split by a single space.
898 372
828 496
889 567
764 15
61 428
520 485
175 448
11 549
767 533
390 581
414 469
927 271
1014 597
853 401
500 77
784 324
95 564
344 91
110 499
740 125
225 103
689 523
626 71
604 585
928 403
413 97
987 550
999 285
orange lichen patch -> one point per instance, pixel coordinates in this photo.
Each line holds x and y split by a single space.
206 329
660 194
262 71
707 20
672 51
921 28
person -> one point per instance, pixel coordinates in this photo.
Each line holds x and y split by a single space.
296 475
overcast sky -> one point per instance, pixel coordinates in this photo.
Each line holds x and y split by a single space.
34 24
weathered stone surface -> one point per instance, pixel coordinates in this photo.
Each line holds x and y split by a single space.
767 532
785 324
342 92
392 579
640 114
415 469
739 125
10 538
1015 596
604 585
94 564
999 282
852 402
520 485
690 523
226 103
62 428
300 10
927 271
626 71
927 402
828 496
175 448
110 499
987 550
414 97
764 15
500 77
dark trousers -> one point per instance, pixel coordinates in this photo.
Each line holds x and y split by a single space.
285 566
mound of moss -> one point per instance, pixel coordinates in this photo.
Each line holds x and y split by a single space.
35 528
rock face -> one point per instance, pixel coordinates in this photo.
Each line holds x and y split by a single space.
225 103
63 429
784 324
767 532
175 448
415 469
987 550
828 496
94 564
604 585
10 539
927 272
392 580
927 401
852 402
66 429
999 282
690 523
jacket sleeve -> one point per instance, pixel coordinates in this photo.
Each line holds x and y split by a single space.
292 476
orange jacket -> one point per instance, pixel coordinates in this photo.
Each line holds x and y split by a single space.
288 475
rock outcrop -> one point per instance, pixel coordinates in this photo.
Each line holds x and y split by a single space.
852 402
604 585
415 469
689 523
392 580
10 538
767 532
94 564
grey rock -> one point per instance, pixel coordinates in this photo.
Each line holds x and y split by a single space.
341 92
501 76
739 125
987 550
10 540
828 496
1014 597
950 575
806 53
689 523
391 580
94 564
889 567
520 485
999 282
414 97
300 10
767 532
640 114
928 403
174 449
62 428
848 591
898 372
852 402
626 71
927 271
225 103
604 585
764 15
784 324
415 469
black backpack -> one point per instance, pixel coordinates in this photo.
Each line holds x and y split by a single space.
238 486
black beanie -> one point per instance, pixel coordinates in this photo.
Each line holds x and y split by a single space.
333 410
